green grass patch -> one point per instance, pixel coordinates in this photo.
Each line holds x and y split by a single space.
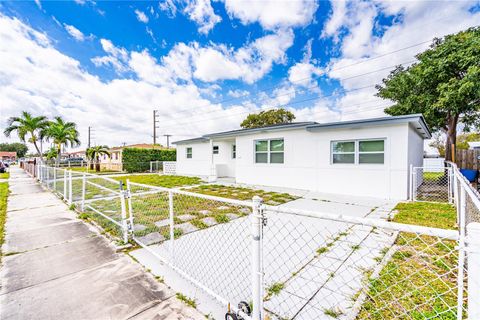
5 175
433 176
188 301
88 170
420 279
165 181
3 211
274 290
240 193
437 215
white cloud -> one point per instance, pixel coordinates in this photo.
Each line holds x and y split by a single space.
38 3
202 13
116 57
301 74
141 16
273 14
74 32
169 7
248 63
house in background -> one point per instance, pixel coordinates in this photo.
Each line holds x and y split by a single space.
369 157
8 155
114 162
474 145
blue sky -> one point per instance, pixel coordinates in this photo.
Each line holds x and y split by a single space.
206 65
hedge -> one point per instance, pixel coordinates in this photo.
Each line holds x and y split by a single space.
138 160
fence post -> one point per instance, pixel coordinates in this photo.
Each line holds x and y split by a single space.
84 190
64 184
124 213
172 225
70 197
473 253
257 272
461 253
129 203
410 187
54 179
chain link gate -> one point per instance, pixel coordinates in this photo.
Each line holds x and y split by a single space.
431 184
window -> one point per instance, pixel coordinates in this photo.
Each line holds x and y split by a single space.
215 150
269 151
358 151
234 151
189 153
343 152
371 151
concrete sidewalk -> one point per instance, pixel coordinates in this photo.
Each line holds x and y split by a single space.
57 267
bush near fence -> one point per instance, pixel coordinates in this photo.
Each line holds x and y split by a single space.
138 160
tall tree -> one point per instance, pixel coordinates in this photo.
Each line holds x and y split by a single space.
20 148
267 118
27 125
94 153
444 85
62 134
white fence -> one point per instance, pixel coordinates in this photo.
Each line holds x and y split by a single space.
167 167
293 264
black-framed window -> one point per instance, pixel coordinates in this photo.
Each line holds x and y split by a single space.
269 151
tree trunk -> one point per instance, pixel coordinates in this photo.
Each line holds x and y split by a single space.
451 137
34 140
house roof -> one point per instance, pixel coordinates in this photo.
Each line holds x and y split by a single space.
238 132
8 153
416 120
137 145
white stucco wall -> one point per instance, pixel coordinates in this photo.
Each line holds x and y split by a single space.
199 164
307 163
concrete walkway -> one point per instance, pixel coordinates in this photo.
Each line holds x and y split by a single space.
57 267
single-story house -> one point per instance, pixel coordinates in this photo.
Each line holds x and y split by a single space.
369 157
8 155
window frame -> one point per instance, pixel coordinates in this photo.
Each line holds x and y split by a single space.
187 153
215 148
357 151
268 151
234 151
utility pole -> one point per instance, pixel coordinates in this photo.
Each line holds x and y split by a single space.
89 137
168 140
155 121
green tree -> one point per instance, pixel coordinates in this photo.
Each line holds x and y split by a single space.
27 125
52 153
267 118
20 148
464 138
62 134
93 154
444 85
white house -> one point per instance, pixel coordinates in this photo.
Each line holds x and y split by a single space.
369 157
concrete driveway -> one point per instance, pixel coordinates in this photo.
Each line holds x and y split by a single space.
320 264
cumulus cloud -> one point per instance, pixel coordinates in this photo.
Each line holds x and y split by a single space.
202 13
273 14
238 93
116 57
141 16
169 7
74 32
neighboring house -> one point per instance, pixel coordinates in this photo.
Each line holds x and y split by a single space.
8 155
474 145
369 157
114 162
74 154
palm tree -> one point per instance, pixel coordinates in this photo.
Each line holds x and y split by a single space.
62 133
25 125
51 153
94 153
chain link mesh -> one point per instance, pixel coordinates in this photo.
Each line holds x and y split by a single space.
431 185
324 269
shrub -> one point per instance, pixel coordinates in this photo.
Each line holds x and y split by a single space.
138 160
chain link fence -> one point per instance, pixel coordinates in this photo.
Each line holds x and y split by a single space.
285 263
431 184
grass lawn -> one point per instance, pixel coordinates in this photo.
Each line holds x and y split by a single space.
160 180
419 280
3 211
5 175
87 170
431 176
238 193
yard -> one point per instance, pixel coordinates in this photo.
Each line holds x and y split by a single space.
3 212
166 181
419 280
4 175
88 170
